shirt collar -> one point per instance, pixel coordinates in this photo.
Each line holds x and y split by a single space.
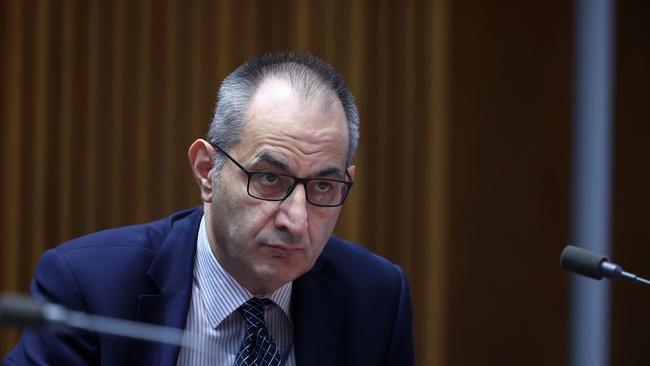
220 292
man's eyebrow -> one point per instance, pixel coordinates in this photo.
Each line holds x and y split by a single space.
329 171
273 161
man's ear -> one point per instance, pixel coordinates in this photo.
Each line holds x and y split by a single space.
200 155
351 170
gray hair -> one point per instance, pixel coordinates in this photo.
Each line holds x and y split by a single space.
308 75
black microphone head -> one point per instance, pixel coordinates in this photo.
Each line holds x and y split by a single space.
20 310
582 262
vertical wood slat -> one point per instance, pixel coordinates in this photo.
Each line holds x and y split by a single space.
224 44
65 144
439 192
117 116
331 27
91 116
251 21
143 108
38 144
197 56
197 119
301 24
169 107
380 124
411 187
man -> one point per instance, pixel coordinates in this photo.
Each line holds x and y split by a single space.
255 273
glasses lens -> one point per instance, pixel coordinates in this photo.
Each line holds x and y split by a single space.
269 186
276 187
326 192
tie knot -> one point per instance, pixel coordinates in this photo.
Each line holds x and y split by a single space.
253 310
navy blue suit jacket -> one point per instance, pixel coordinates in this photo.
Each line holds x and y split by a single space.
351 308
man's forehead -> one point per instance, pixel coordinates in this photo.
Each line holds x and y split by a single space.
272 91
277 106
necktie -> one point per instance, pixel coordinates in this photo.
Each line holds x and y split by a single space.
257 348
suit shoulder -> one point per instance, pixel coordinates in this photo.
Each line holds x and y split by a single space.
123 252
358 264
113 264
347 251
148 236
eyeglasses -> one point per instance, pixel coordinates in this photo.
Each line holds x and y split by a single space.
270 186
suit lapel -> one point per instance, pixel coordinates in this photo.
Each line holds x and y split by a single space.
317 304
171 272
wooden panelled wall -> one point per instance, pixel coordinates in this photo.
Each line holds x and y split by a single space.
101 100
463 167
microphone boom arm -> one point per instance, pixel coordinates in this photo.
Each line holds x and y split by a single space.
21 310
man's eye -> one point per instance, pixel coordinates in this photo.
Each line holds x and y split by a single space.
323 186
269 178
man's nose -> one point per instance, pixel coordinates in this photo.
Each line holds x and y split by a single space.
292 215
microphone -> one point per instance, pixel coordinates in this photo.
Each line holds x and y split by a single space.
21 310
587 263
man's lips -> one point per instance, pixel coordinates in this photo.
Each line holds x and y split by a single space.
283 249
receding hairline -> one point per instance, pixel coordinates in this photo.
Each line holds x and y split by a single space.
326 98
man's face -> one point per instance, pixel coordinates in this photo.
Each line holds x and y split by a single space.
265 244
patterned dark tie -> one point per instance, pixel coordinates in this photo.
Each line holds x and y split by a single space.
257 348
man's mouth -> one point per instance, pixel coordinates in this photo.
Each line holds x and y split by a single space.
283 249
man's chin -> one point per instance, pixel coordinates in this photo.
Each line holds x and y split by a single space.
279 275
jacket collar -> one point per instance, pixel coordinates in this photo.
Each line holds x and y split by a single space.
171 273
317 304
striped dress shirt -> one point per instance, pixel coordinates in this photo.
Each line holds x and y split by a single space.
213 317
